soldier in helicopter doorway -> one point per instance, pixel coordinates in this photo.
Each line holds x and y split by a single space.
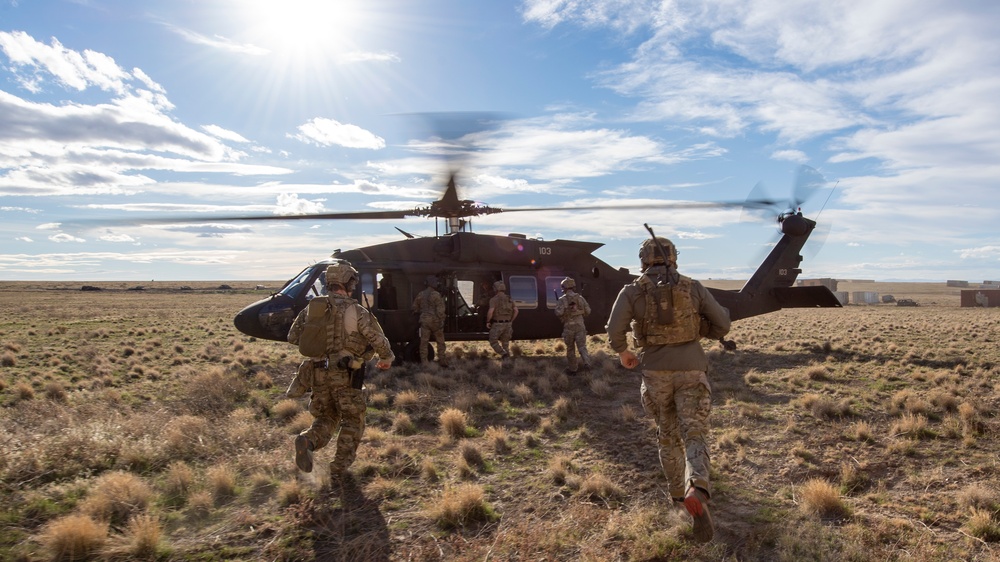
500 320
571 309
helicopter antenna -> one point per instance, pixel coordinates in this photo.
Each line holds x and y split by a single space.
827 200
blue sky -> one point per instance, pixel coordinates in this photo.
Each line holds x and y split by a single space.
115 109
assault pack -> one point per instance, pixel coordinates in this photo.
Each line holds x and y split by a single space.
670 315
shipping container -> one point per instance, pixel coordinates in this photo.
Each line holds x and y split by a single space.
864 297
986 298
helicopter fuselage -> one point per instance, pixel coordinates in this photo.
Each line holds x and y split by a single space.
467 264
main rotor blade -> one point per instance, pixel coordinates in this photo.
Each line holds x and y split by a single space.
235 218
759 203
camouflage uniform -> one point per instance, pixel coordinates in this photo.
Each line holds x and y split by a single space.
430 305
571 310
675 388
334 404
500 318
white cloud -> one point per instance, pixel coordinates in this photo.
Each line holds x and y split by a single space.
291 204
368 56
70 68
225 134
791 155
217 42
326 132
63 237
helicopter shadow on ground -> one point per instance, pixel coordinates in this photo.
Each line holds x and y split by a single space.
349 526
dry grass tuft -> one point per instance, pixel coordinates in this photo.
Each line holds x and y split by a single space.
142 537
56 392
819 497
912 426
74 537
524 393
187 437
979 496
116 497
215 392
403 425
461 506
221 482
560 467
983 526
407 399
499 437
178 482
598 487
452 422
290 493
286 410
562 408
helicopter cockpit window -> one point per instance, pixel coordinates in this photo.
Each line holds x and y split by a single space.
553 290
523 290
310 281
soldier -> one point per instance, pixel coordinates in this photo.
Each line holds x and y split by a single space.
500 319
336 333
429 304
571 310
668 314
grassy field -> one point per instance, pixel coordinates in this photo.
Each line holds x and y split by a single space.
139 424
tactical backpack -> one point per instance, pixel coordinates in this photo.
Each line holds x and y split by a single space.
331 327
312 341
670 316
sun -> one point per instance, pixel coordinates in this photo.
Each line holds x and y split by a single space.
305 27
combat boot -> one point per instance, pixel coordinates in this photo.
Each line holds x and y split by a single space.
303 453
696 503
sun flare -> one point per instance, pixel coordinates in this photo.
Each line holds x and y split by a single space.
305 26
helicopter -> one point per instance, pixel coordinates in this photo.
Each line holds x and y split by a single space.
466 264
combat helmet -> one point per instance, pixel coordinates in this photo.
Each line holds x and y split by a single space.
431 281
649 253
341 273
567 283
499 286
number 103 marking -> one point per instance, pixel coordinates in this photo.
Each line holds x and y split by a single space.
545 250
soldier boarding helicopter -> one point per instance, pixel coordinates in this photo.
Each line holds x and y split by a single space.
467 264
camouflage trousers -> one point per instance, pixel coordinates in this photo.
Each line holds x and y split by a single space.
680 402
430 330
500 334
575 337
336 406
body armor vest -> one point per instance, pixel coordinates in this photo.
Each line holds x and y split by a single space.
670 317
504 309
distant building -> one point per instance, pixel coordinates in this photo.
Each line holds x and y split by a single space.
824 282
956 283
983 298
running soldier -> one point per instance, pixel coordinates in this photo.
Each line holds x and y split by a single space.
571 309
336 334
668 314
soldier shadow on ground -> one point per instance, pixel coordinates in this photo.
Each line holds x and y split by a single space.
349 526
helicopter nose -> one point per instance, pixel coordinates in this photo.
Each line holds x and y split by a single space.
248 322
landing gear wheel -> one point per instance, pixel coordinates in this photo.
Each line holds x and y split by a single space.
411 353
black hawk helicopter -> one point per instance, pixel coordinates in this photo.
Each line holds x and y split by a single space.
466 264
